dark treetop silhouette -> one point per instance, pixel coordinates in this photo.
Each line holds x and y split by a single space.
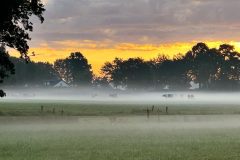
210 68
75 69
14 28
30 74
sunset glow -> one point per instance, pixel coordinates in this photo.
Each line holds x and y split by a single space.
99 53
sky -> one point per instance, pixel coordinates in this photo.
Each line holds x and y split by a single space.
104 29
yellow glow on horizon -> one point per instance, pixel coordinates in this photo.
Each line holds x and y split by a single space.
99 53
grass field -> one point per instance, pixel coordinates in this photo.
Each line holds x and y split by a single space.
102 131
85 108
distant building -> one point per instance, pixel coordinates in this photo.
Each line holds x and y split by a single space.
61 84
56 84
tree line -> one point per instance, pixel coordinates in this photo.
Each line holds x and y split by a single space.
210 68
75 70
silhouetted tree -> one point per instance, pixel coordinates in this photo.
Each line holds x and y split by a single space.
203 63
173 73
211 68
74 69
113 73
6 67
132 73
30 73
15 22
158 72
100 82
229 70
14 27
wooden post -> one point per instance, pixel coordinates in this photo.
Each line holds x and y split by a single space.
158 111
152 108
148 114
166 109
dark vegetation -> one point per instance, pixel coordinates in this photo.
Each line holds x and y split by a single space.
15 26
74 70
210 68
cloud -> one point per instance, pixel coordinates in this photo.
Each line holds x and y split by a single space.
139 21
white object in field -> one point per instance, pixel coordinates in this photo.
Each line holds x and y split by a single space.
194 85
61 84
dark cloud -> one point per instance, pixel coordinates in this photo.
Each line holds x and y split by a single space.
137 21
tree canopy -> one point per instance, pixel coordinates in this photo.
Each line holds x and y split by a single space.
15 22
211 68
31 73
74 69
6 67
15 26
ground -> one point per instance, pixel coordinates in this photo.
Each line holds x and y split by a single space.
114 131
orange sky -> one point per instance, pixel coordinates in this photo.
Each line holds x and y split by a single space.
98 53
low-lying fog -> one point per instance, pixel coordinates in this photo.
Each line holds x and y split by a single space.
123 96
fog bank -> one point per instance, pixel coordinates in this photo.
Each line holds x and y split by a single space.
92 95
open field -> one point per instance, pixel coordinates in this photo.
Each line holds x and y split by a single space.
130 138
98 108
114 131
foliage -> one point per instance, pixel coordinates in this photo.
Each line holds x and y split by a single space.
132 73
75 69
211 68
6 67
100 82
15 22
33 74
15 26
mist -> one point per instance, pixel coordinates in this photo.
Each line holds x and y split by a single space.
121 96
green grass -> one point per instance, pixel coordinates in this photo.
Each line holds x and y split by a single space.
112 131
76 108
128 138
